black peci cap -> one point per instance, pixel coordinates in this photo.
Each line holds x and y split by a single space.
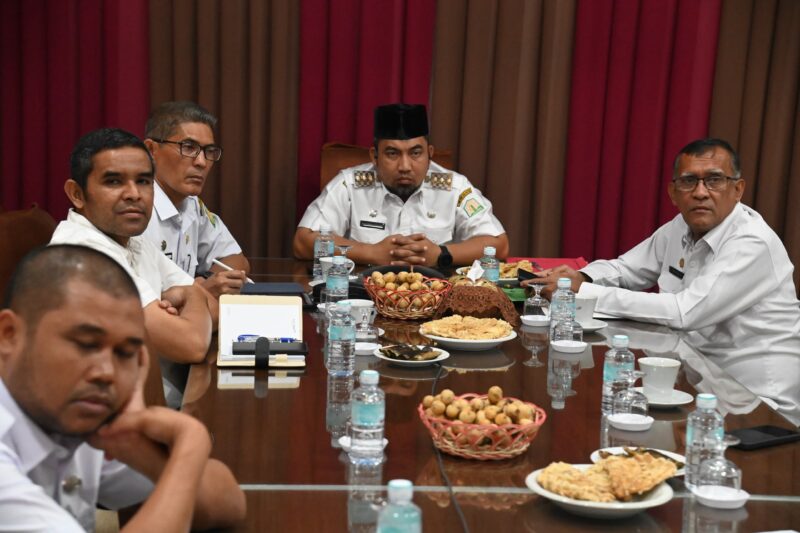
401 121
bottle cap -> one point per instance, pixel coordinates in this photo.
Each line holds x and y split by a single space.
324 227
619 341
564 283
489 250
400 491
706 401
338 259
368 377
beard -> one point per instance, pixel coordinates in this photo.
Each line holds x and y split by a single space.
403 191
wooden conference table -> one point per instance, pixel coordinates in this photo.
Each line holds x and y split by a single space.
275 433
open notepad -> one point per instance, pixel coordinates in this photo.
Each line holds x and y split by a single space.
272 317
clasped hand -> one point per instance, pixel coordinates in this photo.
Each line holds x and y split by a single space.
414 249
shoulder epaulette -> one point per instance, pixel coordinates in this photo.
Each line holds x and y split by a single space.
363 178
440 180
207 212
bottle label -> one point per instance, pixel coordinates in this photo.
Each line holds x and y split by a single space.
611 370
367 414
492 274
341 333
338 284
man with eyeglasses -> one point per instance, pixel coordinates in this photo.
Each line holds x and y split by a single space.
180 138
723 275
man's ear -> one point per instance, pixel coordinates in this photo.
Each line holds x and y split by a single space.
373 154
151 146
739 187
75 193
672 192
12 335
431 151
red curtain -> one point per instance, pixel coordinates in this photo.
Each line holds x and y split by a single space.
355 55
642 78
68 66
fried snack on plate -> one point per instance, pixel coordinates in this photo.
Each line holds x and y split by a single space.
510 270
467 328
592 484
631 476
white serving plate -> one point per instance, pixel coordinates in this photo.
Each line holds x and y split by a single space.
535 320
678 398
721 497
618 450
442 356
593 325
470 345
568 346
660 495
631 421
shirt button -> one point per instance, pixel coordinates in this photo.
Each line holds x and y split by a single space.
71 483
693 264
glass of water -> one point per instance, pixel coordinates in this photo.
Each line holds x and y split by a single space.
629 400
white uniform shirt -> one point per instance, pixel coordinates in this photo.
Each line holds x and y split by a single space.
736 299
369 213
152 271
191 235
39 473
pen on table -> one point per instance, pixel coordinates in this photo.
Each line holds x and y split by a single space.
226 267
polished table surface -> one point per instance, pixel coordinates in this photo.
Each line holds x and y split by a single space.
276 432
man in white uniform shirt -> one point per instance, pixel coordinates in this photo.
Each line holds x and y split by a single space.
402 208
180 136
74 430
112 193
723 276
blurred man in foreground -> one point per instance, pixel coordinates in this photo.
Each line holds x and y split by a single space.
180 137
72 370
403 208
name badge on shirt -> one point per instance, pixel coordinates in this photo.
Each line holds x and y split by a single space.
675 272
372 224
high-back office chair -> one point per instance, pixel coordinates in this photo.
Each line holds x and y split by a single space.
338 156
20 232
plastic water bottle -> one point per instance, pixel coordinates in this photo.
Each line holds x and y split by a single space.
400 515
490 264
337 406
562 312
338 282
323 247
367 416
341 344
364 497
705 429
618 358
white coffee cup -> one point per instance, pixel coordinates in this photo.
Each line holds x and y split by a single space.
361 308
659 376
584 309
327 262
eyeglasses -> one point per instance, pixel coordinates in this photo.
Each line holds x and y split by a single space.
191 149
713 182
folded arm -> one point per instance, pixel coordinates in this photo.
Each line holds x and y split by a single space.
183 338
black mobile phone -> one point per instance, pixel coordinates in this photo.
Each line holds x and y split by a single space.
763 436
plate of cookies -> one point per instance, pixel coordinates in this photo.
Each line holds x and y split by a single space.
614 487
468 333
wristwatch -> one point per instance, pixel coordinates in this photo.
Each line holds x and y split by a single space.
445 260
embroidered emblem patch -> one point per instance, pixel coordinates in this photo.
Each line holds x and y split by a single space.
363 178
473 207
209 215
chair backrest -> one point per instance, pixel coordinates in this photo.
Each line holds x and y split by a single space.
338 156
20 232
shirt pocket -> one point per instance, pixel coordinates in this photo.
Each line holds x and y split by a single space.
669 282
369 229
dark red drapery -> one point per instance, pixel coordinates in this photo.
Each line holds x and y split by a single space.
68 67
642 78
355 55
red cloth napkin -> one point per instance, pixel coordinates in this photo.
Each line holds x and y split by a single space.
552 262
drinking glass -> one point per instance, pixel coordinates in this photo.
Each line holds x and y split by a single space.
365 330
330 301
343 249
537 304
718 478
628 400
533 341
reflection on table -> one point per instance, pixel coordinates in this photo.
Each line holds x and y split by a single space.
279 433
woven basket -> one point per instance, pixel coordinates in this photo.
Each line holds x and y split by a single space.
402 305
486 443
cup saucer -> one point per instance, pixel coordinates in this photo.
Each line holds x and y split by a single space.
678 398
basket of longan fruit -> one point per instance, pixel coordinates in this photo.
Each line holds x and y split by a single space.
485 427
406 295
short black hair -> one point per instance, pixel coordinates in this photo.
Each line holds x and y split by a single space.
166 118
94 142
39 280
703 146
